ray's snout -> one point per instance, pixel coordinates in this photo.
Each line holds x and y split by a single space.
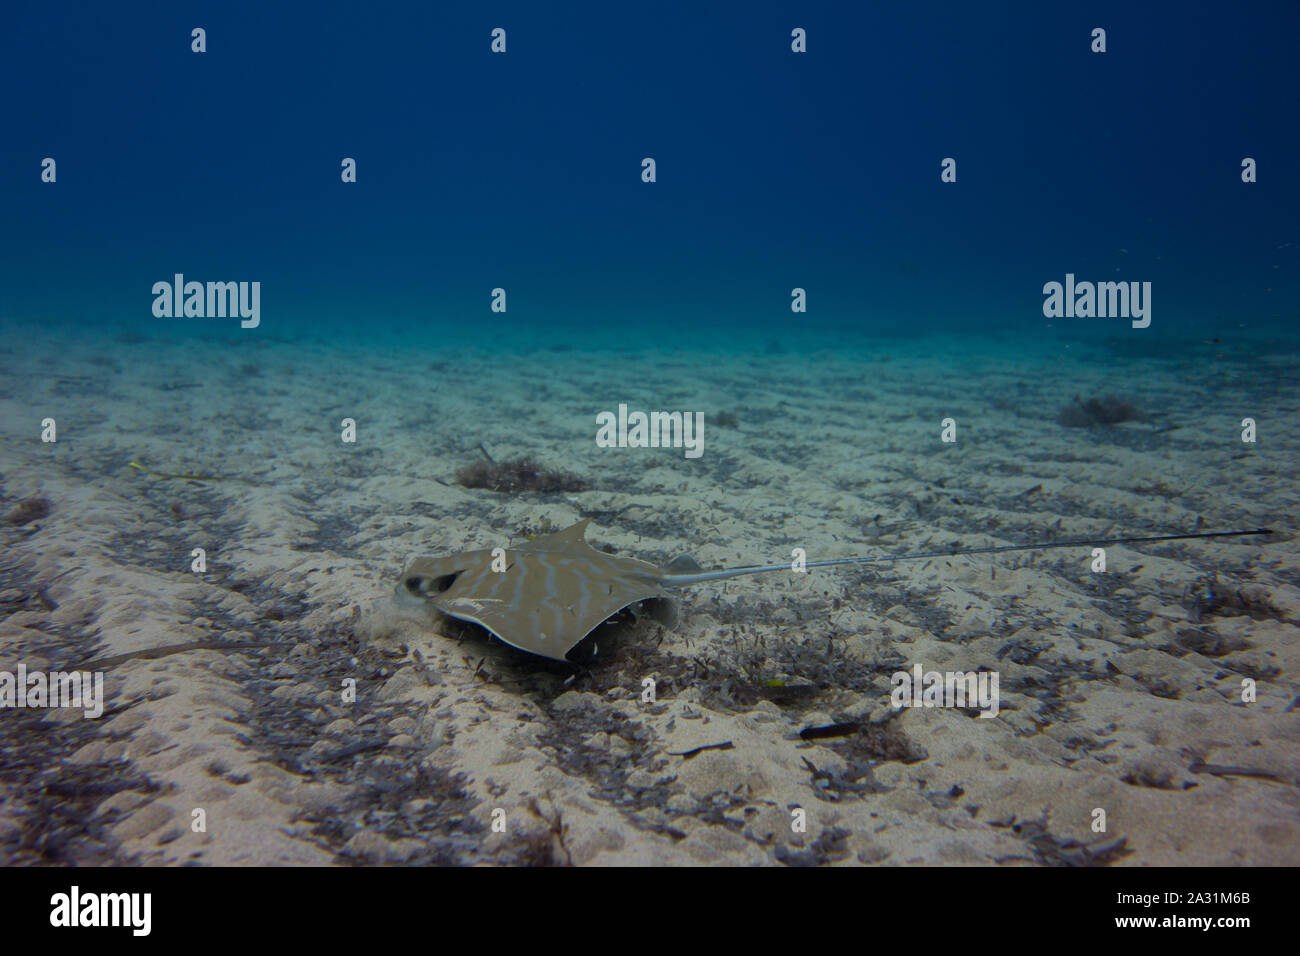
421 585
410 591
426 578
420 580
413 585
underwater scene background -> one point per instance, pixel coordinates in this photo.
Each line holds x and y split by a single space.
929 278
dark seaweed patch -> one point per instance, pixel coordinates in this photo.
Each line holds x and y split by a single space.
518 476
1105 412
1209 596
869 745
568 741
831 845
332 534
1051 850
29 510
410 802
794 673
1048 690
52 800
723 420
397 796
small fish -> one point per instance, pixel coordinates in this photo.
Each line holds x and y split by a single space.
544 596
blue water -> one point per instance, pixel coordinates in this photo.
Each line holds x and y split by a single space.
775 170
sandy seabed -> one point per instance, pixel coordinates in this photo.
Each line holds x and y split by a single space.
1120 691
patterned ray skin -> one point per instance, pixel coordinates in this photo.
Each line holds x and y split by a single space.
554 592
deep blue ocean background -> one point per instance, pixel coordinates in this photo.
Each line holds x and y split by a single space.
775 170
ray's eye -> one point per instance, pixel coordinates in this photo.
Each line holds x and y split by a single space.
422 587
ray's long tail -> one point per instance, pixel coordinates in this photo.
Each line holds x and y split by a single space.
699 577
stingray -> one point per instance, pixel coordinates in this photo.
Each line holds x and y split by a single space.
545 596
